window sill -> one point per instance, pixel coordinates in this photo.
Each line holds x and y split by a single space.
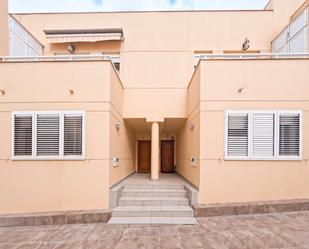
48 159
263 159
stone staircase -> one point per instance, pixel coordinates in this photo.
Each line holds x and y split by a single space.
153 204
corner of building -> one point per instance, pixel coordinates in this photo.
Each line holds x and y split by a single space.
4 32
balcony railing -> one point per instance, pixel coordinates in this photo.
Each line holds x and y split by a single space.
197 57
57 58
253 56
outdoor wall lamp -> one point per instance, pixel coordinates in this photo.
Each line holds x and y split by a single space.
117 126
240 90
191 126
246 45
2 92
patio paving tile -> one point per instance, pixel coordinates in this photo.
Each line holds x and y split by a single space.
272 231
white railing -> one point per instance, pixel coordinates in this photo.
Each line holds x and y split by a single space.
56 58
200 56
253 56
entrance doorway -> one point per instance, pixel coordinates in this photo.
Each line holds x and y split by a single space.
167 156
144 156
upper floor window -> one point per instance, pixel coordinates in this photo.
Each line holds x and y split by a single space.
21 42
48 135
293 38
263 135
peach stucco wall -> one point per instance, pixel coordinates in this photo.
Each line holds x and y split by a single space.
267 85
188 139
155 85
157 54
122 140
159 46
4 33
284 11
30 186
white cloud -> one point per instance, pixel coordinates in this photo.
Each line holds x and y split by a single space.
121 5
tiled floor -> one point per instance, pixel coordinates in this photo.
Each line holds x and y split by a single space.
285 230
164 179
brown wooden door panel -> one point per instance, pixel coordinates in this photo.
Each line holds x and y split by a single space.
144 156
167 156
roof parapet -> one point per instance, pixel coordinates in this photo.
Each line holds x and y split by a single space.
55 58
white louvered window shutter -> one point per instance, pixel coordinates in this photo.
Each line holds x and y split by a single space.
237 137
263 134
73 137
22 135
289 134
48 135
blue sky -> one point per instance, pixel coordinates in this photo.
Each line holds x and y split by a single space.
121 5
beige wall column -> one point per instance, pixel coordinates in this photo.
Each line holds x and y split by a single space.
155 139
4 30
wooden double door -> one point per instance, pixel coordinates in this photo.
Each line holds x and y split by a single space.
167 156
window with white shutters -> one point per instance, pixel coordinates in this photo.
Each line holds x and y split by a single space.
22 135
48 135
264 135
289 134
238 135
73 126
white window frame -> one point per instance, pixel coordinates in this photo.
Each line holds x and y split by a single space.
250 156
34 115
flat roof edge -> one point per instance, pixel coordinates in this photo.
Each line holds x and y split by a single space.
138 11
256 59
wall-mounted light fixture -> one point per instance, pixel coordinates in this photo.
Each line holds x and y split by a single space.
116 161
2 92
71 91
71 48
191 126
240 90
246 44
117 126
193 161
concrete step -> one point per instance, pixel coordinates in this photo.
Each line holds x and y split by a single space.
153 201
152 221
154 186
128 192
153 211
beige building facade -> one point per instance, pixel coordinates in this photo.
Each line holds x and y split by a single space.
87 99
